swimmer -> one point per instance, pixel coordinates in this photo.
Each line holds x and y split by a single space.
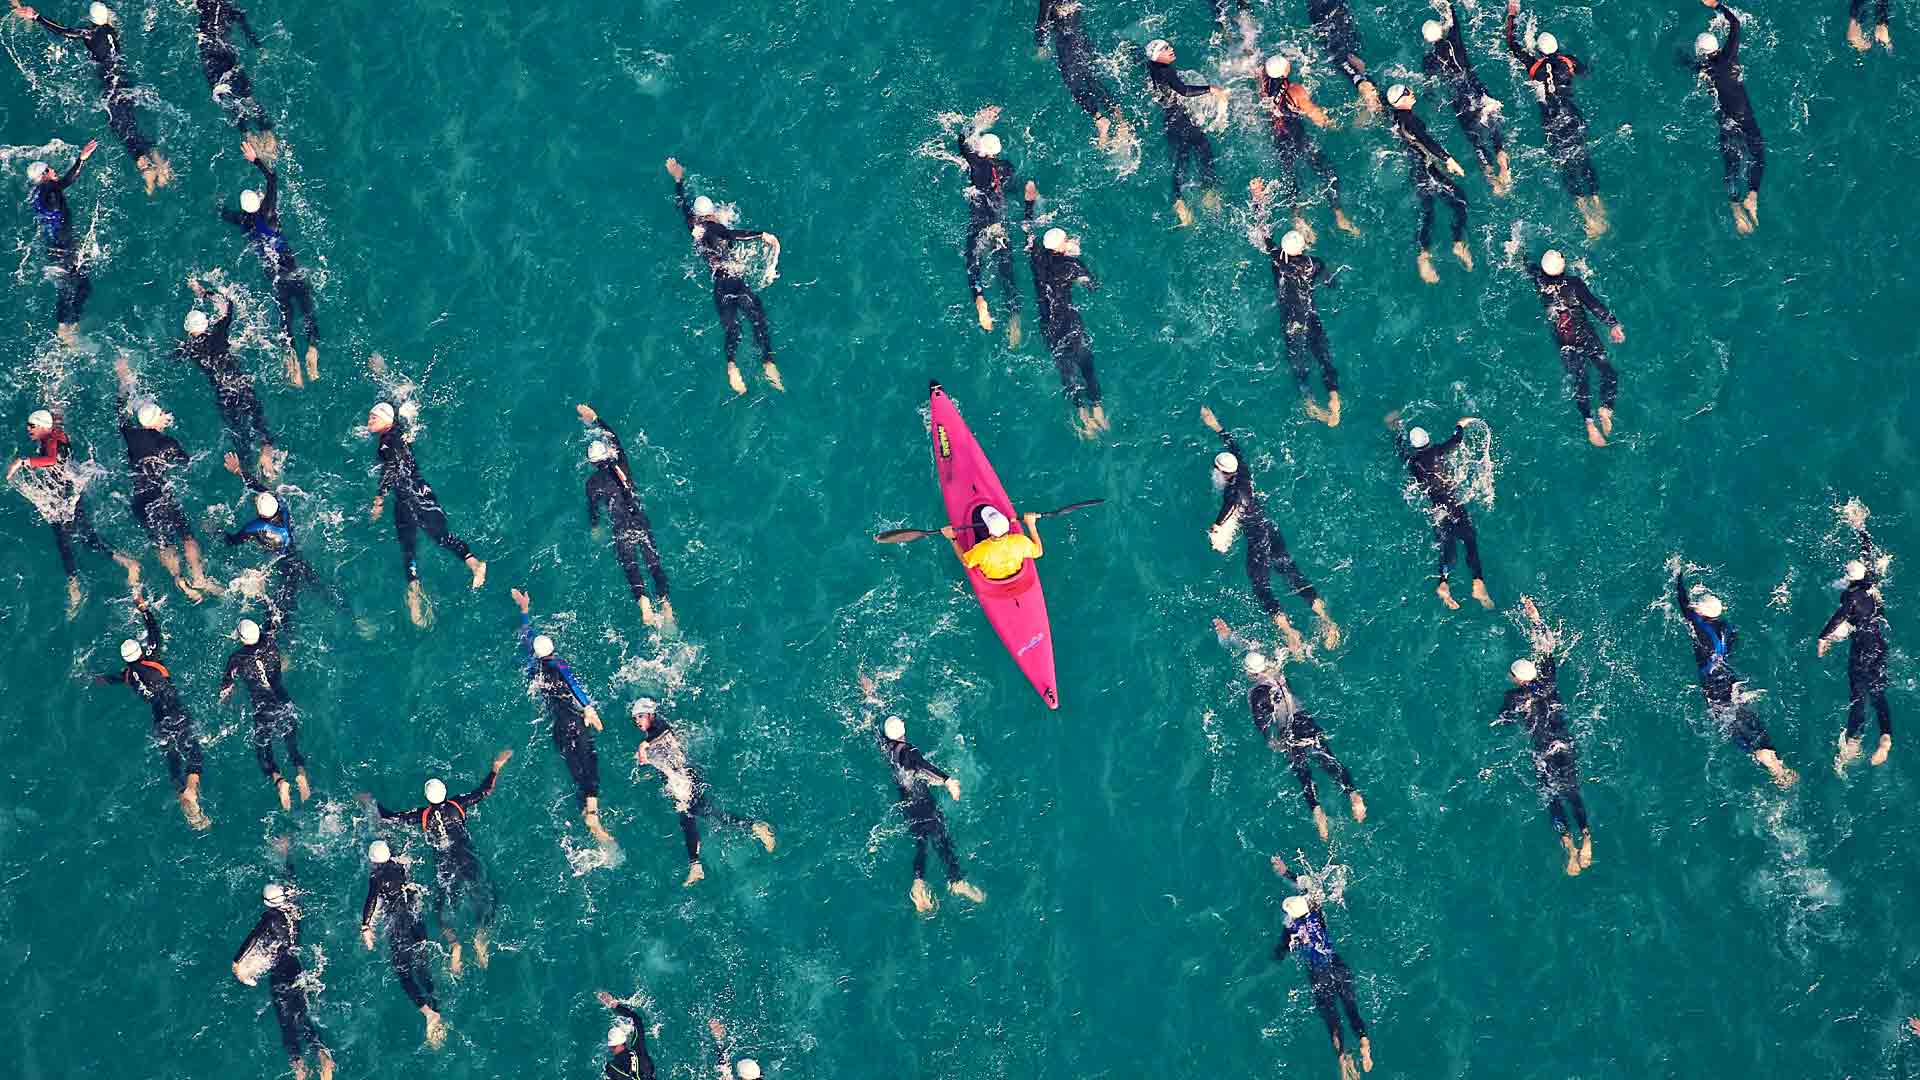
102 41
1742 147
1185 139
570 713
1055 260
1327 974
1861 619
1289 109
1534 703
258 663
1713 641
1551 73
1429 163
627 1057
611 486
271 529
743 1069
1289 729
276 939
259 218
209 345
1296 275
988 175
912 772
415 506
662 749
390 892
461 886
64 265
1333 24
1242 509
51 472
220 62
1059 24
152 456
1477 110
1451 523
1571 306
713 239
173 730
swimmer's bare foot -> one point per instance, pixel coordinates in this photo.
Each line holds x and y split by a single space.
734 378
1445 593
1100 128
293 369
1881 751
1180 211
132 566
300 783
1348 1070
1315 411
922 898
1740 223
1333 408
1295 643
1480 594
285 791
1586 848
1427 273
1857 37
74 596
190 803
1366 1054
1210 201
968 890
1358 805
1573 855
1013 330
1462 252
436 1027
313 362
417 605
481 954
1849 752
1593 433
647 614
773 376
600 835
69 334
1100 417
763 832
1320 822
695 873
981 313
1606 420
1883 36
1753 207
454 967
479 571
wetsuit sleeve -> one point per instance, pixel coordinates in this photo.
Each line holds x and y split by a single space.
593 505
1731 54
1291 877
233 668
48 459
1680 595
913 759
1166 76
368 909
1871 557
233 216
1322 277
730 235
75 33
1451 442
247 532
68 177
108 678
154 638
1591 302
573 684
1417 130
1513 42
485 789
1083 274
253 936
1839 615
526 643
387 464
686 205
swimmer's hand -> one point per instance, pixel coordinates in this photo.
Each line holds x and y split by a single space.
1207 418
249 980
953 788
520 597
87 150
606 999
30 14
1033 191
592 719
379 503
587 415
500 759
674 170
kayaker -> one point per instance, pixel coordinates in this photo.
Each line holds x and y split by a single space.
1002 553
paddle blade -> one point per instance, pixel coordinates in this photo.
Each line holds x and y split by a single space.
901 536
1081 505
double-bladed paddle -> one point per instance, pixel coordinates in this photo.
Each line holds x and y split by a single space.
901 536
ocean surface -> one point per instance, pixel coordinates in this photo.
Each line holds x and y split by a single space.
479 190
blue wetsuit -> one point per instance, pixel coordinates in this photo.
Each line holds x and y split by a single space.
1327 974
566 703
1713 641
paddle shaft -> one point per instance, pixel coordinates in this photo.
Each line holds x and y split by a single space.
902 536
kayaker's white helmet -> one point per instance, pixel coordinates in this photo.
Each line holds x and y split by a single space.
265 504
378 852
37 171
1548 44
702 207
995 521
196 322
1709 606
248 632
1432 31
542 647
436 791
1293 243
1552 263
1706 45
1255 663
250 201
987 144
1226 463
895 728
1295 906
747 1069
599 450
1524 670
100 13
1418 438
129 650
1278 67
1856 570
1054 239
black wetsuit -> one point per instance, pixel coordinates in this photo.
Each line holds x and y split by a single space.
1294 280
631 1062
231 87
1333 24
1427 166
289 281
987 181
274 716
1741 145
1560 119
173 729
51 460
1288 728
1713 641
278 934
459 878
415 507
611 486
1266 548
685 785
64 264
1861 609
1293 144
1451 524
1328 975
391 893
289 572
1059 21
1185 140
731 296
151 457
103 44
1857 10
1556 768
566 702
1570 308
911 773
212 353
1054 276
1447 60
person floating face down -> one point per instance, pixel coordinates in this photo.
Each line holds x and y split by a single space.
1477 111
152 458
273 946
912 772
1427 463
1290 108
1243 512
1186 142
1742 148
1571 306
1429 165
258 663
173 730
997 551
1713 642
988 177
662 748
415 506
220 62
101 38
271 530
570 712
392 893
610 487
259 218
713 240
1551 73
208 345
1305 935
64 507
64 265
1861 620
1055 261
462 890
1534 703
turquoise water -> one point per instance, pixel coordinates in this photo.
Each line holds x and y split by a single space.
481 184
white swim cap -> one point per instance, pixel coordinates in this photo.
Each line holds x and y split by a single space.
1432 31
1054 239
37 171
988 143
436 792
1295 906
1856 570
1706 45
702 206
196 322
382 411
1158 46
542 647
100 13
1255 663
995 521
1709 606
249 631
599 450
129 650
150 415
1418 438
1278 67
40 418
747 1069
1553 263
1524 670
378 852
645 706
896 728
273 895
250 201
265 504
617 1035
1398 93
1226 463
1293 243
1548 44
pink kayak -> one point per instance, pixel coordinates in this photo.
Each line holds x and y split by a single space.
1016 607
